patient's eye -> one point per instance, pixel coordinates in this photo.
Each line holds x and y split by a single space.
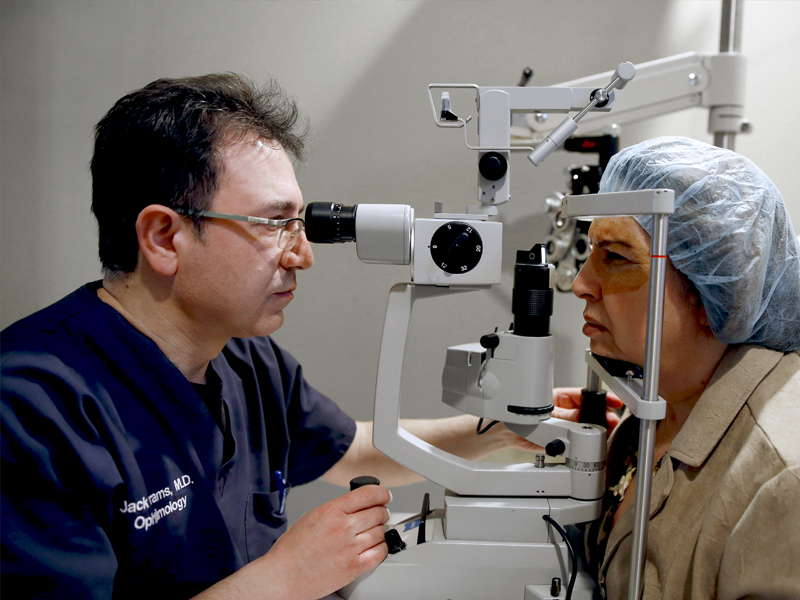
615 256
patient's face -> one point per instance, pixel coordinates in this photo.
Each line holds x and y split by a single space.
614 282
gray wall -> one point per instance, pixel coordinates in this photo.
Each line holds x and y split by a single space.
360 70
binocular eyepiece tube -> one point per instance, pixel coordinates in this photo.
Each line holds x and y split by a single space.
328 223
383 233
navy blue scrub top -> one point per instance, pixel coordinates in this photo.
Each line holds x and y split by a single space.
116 479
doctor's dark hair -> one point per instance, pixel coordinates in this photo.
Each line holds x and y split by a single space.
163 144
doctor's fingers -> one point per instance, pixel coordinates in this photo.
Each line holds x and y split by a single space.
567 414
363 497
571 398
369 518
613 420
567 397
370 538
574 415
373 556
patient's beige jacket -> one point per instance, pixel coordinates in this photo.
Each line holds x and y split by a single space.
725 505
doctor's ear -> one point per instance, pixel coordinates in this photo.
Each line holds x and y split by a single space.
157 228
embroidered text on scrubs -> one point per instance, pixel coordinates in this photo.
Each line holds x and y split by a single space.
145 502
155 516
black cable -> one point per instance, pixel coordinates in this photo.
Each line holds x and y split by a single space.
572 556
488 427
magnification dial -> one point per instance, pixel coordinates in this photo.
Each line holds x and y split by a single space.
456 247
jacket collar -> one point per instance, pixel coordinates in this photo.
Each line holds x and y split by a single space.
741 369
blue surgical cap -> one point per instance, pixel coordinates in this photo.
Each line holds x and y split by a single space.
730 235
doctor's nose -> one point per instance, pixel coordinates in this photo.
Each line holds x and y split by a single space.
299 254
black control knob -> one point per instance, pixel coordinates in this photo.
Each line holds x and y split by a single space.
593 408
358 482
490 341
493 166
394 541
555 448
456 247
555 586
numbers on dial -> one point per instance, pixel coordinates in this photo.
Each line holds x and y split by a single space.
456 247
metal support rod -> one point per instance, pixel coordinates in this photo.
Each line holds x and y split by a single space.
592 381
599 97
730 39
647 429
725 140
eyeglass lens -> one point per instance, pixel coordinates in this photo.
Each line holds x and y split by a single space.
289 234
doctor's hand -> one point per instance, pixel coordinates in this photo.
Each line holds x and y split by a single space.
322 552
568 404
333 544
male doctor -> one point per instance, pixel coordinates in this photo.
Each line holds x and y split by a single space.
150 427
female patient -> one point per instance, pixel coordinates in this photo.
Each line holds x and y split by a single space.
725 505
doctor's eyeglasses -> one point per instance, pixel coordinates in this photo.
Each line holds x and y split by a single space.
287 231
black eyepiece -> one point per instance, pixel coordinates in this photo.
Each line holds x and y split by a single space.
328 223
532 296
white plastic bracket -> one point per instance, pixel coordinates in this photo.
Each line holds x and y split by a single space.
630 393
464 477
638 202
